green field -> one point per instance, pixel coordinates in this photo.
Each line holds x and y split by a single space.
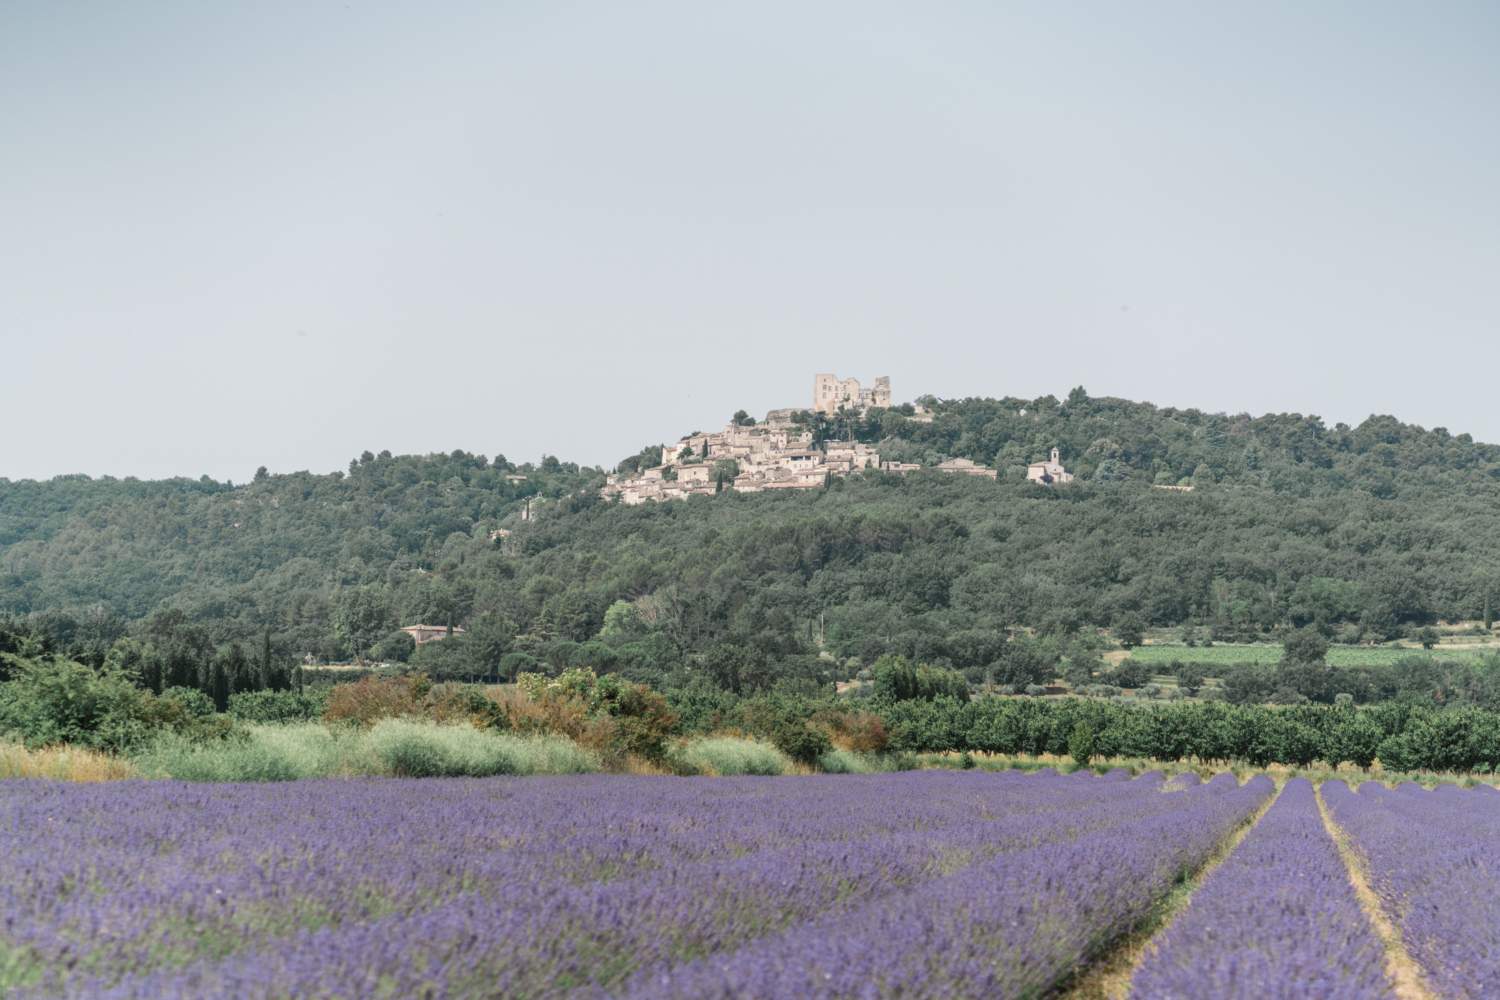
1339 656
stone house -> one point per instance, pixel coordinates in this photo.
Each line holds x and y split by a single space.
427 633
966 466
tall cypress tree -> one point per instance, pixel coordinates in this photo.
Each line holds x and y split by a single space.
265 661
219 685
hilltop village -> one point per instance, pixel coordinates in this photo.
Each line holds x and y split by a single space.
779 453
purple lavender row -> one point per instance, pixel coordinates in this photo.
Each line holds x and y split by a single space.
1431 858
539 939
1278 920
1010 928
238 869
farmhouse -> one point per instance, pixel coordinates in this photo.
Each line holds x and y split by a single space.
427 633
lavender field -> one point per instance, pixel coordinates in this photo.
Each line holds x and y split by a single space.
916 884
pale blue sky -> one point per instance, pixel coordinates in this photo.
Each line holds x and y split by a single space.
245 234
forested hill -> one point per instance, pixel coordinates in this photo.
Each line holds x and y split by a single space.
1379 526
76 542
1117 439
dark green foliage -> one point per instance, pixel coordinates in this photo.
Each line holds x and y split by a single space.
396 647
1127 630
595 656
896 680
193 701
516 663
1130 674
702 706
52 701
266 707
1023 662
363 616
1247 684
1081 743
1190 677
560 656
1403 737
803 743
1080 671
1306 645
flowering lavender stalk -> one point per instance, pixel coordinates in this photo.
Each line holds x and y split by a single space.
1431 858
1009 928
1278 919
346 888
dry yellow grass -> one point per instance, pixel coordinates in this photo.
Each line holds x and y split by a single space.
62 763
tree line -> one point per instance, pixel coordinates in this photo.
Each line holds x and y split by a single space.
1402 736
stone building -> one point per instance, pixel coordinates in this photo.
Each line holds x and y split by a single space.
966 466
777 454
829 393
1048 472
427 633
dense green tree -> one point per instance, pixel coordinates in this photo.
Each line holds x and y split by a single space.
1128 630
1306 645
363 617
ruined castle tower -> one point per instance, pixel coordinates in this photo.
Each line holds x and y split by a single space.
829 393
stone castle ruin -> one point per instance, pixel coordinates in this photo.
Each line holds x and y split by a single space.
776 454
830 395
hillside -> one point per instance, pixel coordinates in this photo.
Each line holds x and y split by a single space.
1381 526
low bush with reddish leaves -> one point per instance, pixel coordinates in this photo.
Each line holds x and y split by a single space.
853 730
413 696
608 714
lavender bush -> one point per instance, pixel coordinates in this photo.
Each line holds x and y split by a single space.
1278 919
536 887
1010 927
1431 858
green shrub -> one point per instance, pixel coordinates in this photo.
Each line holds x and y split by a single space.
267 753
425 750
728 756
58 701
1082 744
838 761
194 701
393 747
801 742
265 707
